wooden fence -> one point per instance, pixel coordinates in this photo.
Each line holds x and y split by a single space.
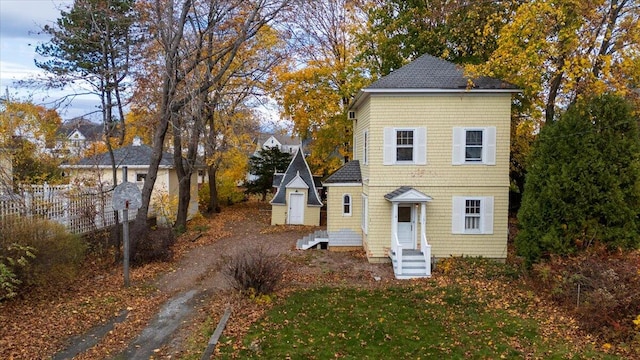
79 210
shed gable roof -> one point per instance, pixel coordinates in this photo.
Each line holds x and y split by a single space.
298 168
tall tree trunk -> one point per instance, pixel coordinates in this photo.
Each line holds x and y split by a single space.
170 39
214 204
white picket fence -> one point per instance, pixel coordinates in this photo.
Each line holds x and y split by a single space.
79 210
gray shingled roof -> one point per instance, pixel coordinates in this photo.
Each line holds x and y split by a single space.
429 72
297 165
130 155
277 180
92 131
348 173
397 192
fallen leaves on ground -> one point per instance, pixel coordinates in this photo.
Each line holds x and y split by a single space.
39 324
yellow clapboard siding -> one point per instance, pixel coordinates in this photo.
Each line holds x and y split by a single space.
439 178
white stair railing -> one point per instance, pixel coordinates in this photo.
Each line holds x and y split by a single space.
396 247
426 252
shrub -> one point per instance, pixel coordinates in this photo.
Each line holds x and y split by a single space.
583 190
165 206
601 289
229 193
254 271
13 258
203 197
148 245
37 252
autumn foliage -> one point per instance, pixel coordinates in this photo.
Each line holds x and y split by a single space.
601 289
34 252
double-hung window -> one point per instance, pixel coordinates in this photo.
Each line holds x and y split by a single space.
405 146
472 215
346 205
474 146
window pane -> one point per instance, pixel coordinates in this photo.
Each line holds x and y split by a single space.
404 154
473 153
472 223
474 137
404 137
404 214
472 207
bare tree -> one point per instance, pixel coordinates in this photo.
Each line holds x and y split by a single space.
217 31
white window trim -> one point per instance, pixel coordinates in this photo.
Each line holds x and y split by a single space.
365 213
419 146
488 145
345 203
458 215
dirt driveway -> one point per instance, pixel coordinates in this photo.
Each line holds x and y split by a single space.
197 278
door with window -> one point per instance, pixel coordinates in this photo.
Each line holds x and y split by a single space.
406 226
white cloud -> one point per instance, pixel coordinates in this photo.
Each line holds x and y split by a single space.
20 23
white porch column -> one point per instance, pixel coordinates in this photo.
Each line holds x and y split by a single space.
394 224
423 219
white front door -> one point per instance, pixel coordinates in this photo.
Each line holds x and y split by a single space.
296 208
406 227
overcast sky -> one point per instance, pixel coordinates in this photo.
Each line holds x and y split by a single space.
20 22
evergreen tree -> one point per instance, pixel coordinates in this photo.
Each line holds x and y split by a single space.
583 182
267 162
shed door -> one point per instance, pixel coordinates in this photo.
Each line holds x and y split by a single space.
296 208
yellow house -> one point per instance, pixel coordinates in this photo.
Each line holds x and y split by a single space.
296 201
96 170
430 175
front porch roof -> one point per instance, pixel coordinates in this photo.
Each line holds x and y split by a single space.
407 194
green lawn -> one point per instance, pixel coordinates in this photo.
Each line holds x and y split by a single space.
396 323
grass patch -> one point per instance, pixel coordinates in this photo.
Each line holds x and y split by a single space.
422 320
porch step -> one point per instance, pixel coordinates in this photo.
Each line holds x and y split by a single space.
414 265
319 237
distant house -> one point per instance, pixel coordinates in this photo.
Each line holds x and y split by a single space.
97 169
296 201
284 143
76 136
430 175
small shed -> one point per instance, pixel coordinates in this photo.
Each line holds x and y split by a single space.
296 201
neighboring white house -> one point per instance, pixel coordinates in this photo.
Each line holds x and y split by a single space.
96 170
77 135
284 143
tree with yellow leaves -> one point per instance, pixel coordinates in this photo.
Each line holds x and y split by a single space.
558 51
27 131
321 78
